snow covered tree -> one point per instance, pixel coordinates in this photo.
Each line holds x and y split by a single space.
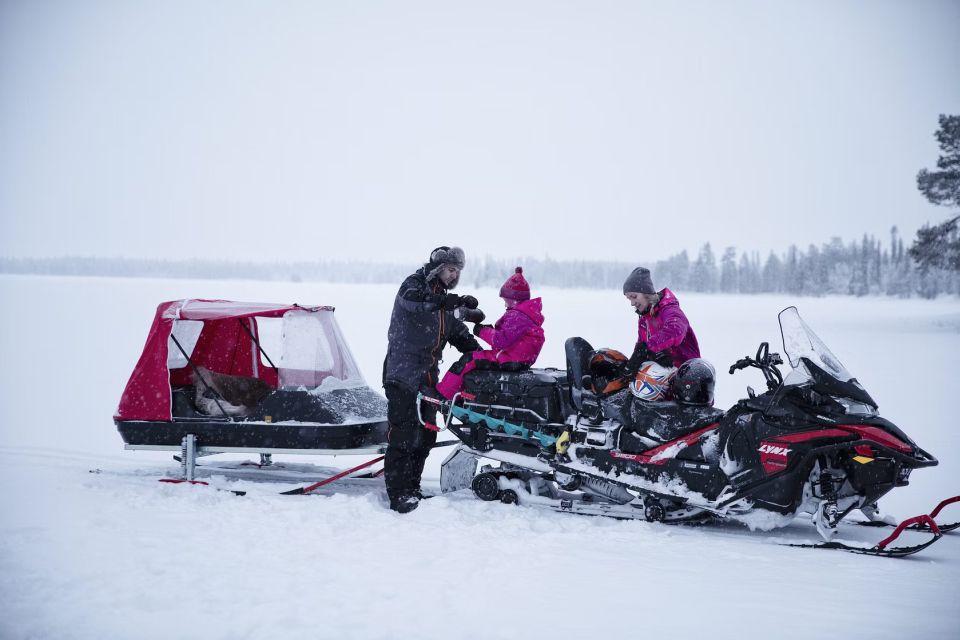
860 276
729 281
943 186
938 246
703 276
772 274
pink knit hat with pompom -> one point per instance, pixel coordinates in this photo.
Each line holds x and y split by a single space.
516 287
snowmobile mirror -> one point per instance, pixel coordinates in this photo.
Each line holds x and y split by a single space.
586 382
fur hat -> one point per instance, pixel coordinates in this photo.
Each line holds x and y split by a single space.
639 281
442 257
516 287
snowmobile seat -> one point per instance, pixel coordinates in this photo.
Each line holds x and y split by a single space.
492 365
578 353
666 421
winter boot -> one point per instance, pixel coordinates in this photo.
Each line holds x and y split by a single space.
404 504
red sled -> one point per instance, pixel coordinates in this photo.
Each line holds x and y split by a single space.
217 377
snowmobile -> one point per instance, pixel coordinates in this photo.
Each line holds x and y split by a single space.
574 441
217 376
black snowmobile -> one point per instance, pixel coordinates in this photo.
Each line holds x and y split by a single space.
812 443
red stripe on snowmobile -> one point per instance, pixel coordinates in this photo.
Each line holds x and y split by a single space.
803 436
659 455
877 434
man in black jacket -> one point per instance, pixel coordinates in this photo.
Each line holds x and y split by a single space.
421 325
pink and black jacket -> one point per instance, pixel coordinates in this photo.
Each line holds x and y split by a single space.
666 328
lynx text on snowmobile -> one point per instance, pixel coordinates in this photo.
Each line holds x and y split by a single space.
813 443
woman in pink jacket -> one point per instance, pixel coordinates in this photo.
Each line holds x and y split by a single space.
516 337
664 334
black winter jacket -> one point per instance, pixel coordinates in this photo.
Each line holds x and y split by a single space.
420 328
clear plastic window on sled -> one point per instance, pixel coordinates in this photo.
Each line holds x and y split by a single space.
185 333
799 341
314 353
812 361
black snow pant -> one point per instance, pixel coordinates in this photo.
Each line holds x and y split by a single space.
408 443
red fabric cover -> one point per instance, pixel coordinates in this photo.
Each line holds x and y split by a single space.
147 394
224 309
223 346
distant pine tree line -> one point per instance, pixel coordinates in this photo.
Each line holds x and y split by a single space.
859 268
867 267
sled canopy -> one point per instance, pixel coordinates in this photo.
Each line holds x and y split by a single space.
285 346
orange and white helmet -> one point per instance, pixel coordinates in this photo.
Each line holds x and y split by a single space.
652 381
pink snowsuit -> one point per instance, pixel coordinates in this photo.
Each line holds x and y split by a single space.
666 327
516 337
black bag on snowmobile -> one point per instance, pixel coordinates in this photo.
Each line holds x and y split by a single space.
543 393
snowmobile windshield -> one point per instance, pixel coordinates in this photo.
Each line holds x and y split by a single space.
314 354
815 367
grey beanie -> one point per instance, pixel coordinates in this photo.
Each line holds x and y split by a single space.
639 281
443 256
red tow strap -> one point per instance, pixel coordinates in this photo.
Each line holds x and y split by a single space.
326 481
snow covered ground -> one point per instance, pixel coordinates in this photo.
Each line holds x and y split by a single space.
115 554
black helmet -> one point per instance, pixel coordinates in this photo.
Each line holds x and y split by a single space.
606 370
694 382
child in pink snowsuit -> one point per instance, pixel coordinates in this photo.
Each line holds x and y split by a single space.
516 337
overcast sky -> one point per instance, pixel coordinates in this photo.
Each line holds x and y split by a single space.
625 130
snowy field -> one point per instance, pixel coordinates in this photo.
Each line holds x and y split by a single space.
116 554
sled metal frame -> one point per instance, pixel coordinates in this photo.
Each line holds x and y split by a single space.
189 452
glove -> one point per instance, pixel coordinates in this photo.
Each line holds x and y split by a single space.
469 302
641 353
477 328
662 358
450 301
469 315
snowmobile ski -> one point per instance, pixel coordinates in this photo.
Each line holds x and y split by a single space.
920 526
918 523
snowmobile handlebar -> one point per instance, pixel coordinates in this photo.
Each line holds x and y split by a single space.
765 361
742 363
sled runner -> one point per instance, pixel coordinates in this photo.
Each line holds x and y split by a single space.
813 443
235 377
